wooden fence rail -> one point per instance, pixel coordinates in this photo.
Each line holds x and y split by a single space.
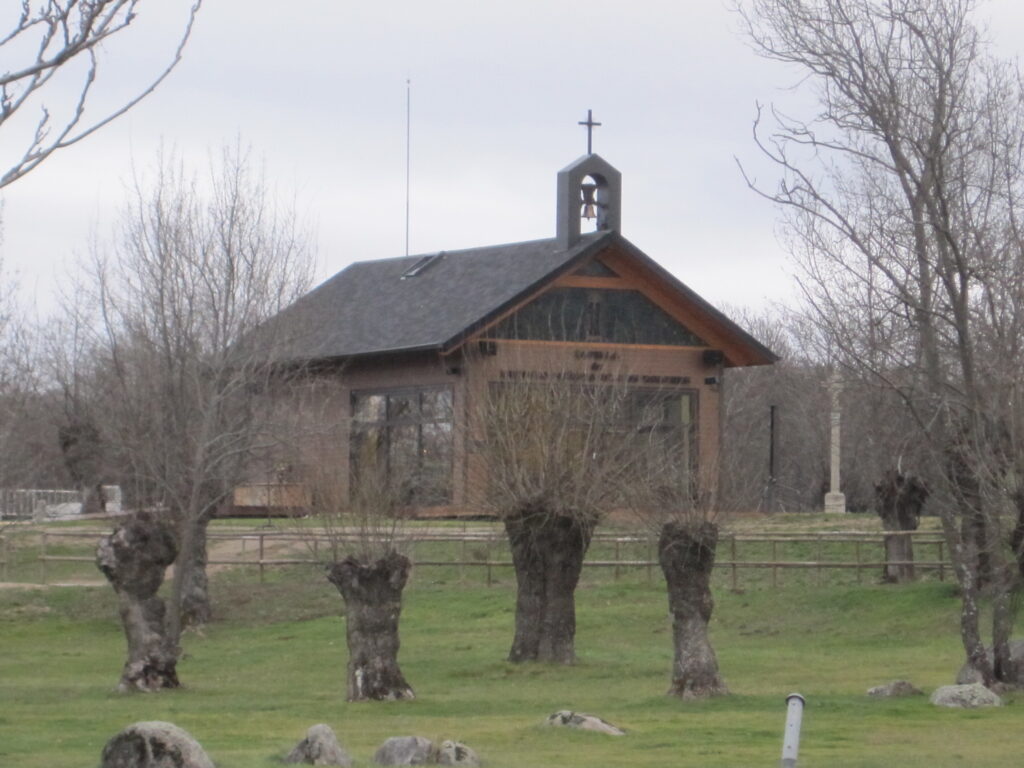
254 545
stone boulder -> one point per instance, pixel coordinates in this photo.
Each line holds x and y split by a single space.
965 696
895 689
583 722
457 753
405 750
320 747
154 745
968 674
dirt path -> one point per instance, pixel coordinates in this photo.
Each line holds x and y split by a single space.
65 583
240 551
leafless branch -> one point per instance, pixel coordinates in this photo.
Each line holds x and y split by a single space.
57 33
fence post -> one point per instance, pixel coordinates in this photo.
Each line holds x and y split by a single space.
462 560
650 557
942 563
791 736
6 553
732 556
775 560
617 543
817 558
42 557
261 557
856 548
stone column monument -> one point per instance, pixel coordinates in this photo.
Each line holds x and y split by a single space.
835 500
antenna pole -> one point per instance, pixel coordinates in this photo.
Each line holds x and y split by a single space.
408 124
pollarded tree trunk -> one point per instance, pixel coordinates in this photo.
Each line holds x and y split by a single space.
547 553
899 499
134 558
899 559
373 604
686 552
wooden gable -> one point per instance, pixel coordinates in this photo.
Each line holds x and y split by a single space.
623 271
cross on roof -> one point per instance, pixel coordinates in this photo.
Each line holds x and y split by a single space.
589 122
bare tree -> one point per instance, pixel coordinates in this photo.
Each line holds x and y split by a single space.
178 368
48 44
69 367
29 454
902 200
681 507
774 442
52 37
134 558
791 399
549 469
356 529
555 452
560 451
17 383
687 544
900 499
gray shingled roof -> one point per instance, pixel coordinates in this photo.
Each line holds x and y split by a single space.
369 308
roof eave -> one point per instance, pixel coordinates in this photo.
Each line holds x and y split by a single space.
361 355
759 353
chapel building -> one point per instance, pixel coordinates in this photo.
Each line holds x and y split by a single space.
407 346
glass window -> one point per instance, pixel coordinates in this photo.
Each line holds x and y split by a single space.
403 407
369 408
665 420
436 405
408 434
586 314
650 431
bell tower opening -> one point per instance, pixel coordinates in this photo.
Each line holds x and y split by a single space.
593 207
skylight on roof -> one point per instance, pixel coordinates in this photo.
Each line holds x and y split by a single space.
422 264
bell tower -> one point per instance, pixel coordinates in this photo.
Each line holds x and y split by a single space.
599 198
589 188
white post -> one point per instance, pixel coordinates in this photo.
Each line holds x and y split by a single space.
835 500
113 499
791 737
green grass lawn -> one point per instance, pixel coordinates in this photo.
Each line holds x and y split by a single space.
273 664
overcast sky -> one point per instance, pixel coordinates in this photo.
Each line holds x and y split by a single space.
317 88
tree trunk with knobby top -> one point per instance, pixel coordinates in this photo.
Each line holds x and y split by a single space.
134 558
547 552
899 499
687 556
373 604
